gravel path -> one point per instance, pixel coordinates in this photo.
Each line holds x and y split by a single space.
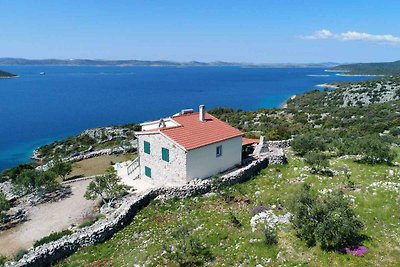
47 218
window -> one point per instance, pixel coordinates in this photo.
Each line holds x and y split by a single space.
147 171
165 154
146 147
219 151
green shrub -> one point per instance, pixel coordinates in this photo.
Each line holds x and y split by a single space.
187 250
303 210
4 205
3 260
318 161
234 220
308 142
20 253
270 235
374 149
51 237
328 220
30 180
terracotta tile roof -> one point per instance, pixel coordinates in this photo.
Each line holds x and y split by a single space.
193 133
248 141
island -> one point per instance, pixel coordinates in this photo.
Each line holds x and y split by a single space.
4 74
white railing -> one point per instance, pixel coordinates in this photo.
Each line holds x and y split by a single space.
133 166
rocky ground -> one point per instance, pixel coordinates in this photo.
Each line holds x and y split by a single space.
49 217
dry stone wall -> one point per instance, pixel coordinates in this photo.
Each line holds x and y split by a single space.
102 230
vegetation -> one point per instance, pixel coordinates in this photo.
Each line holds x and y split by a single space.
4 205
328 220
208 218
20 254
89 140
29 181
61 168
3 260
51 237
106 186
187 250
385 68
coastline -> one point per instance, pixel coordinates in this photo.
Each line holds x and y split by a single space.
360 75
285 105
327 85
9 77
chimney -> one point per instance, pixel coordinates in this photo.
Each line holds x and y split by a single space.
202 113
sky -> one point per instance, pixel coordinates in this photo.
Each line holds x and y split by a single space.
269 31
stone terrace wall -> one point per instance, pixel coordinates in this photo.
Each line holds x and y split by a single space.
102 230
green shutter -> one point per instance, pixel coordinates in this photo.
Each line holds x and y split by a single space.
146 147
165 154
147 171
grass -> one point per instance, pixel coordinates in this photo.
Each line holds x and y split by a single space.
210 219
96 166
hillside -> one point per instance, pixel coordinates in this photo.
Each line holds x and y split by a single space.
98 62
4 74
384 68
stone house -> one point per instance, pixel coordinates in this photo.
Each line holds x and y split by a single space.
188 145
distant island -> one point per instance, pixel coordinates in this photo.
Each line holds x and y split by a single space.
4 74
100 62
382 68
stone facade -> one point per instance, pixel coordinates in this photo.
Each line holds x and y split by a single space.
162 172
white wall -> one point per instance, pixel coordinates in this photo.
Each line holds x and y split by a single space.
162 172
203 163
151 125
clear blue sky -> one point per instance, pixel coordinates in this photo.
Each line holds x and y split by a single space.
251 31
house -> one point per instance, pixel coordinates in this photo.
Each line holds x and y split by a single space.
186 146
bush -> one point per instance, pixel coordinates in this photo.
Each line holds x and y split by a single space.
51 237
318 161
338 226
302 207
234 220
374 149
187 250
4 205
3 260
308 142
61 168
20 254
270 235
328 220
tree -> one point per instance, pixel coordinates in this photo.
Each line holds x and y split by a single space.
308 142
106 187
34 180
318 161
61 168
374 149
4 205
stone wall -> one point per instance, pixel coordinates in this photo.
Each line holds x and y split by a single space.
102 230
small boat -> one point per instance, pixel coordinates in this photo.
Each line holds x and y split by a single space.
42 73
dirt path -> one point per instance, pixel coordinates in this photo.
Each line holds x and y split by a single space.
47 218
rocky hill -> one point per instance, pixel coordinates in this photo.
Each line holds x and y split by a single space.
383 68
352 94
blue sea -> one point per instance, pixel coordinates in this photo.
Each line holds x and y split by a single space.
38 109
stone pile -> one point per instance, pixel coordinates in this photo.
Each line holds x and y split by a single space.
13 217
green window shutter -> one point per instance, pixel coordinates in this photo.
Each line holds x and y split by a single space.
146 147
147 171
165 154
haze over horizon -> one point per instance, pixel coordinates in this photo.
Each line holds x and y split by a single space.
260 32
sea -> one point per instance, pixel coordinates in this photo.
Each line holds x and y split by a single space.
48 103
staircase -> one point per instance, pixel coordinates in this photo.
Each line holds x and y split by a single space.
133 165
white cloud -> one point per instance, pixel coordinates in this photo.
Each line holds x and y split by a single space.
353 36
